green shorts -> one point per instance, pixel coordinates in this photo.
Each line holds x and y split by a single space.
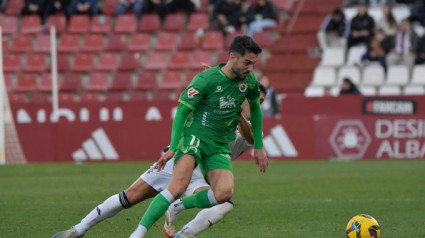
209 154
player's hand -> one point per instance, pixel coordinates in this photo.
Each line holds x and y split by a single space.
160 164
205 66
261 159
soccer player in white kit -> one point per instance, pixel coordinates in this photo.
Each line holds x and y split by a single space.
153 182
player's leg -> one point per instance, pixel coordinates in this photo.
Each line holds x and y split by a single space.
179 181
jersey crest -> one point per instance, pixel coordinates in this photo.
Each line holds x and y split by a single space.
191 92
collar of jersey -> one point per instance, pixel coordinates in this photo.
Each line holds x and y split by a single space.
222 73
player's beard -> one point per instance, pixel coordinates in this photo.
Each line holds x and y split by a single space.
238 73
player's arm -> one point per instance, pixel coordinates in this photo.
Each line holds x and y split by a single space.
257 130
245 129
176 132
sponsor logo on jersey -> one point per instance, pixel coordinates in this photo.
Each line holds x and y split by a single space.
227 102
242 87
219 89
192 92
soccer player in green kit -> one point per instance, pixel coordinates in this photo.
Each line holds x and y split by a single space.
204 124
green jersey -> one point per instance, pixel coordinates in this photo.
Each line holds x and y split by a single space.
216 100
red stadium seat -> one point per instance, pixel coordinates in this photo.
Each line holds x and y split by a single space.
66 97
171 80
89 97
14 7
307 24
5 44
284 5
179 60
83 63
174 22
30 24
156 61
114 97
109 6
125 23
188 42
117 43
101 24
22 44
162 96
93 43
58 21
138 96
12 63
9 24
121 82
17 98
295 43
79 24
199 57
107 62
146 81
263 38
39 98
71 83
130 62
213 40
198 21
222 57
42 44
26 83
204 6
35 63
46 83
69 44
63 62
149 23
140 42
165 41
98 82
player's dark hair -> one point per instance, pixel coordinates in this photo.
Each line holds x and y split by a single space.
263 89
244 44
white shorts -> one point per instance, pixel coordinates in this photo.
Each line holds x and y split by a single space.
160 180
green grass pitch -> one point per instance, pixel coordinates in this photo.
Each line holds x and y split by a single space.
293 199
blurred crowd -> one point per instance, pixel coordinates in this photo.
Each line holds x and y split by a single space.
388 42
228 16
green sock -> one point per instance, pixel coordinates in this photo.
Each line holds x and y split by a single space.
156 209
199 200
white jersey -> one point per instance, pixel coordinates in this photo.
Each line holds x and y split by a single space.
160 180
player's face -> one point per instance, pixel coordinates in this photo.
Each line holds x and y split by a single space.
243 64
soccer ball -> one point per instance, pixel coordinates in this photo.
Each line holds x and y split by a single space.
363 226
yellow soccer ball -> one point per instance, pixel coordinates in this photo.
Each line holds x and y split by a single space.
363 226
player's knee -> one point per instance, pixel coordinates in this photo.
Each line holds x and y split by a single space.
223 195
177 191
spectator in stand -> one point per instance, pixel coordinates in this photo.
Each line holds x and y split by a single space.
3 5
34 7
124 6
164 7
334 30
89 7
270 106
387 23
420 51
226 15
348 87
378 48
418 11
266 15
406 42
55 6
246 15
362 27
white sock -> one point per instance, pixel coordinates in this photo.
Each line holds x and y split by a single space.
206 218
139 232
108 208
176 207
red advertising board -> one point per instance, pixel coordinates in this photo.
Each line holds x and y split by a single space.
310 128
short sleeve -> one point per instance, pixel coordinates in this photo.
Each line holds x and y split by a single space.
194 93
